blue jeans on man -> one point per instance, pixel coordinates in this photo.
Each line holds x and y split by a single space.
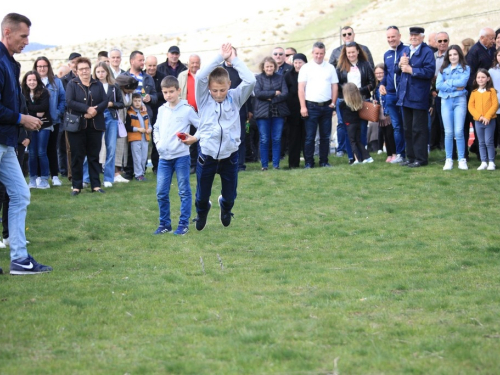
397 122
318 116
206 169
165 172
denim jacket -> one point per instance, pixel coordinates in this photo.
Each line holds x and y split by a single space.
57 100
450 79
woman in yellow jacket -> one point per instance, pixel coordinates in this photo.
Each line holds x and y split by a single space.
483 105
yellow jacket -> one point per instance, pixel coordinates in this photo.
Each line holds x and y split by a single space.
132 122
483 104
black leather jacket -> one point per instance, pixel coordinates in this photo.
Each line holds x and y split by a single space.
367 79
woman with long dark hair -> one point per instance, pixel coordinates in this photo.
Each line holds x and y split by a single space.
56 147
37 100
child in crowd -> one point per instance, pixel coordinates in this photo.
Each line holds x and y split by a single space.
137 125
174 120
483 104
219 132
349 108
385 129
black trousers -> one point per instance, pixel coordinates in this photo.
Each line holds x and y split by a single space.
386 134
354 134
415 123
296 139
87 143
193 149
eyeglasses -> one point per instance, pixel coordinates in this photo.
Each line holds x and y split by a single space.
83 69
346 34
443 41
278 54
42 66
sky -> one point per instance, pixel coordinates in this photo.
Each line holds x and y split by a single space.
58 22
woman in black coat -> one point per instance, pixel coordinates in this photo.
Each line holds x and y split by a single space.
86 96
270 110
354 67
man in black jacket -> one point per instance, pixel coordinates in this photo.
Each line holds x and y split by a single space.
348 36
71 63
172 66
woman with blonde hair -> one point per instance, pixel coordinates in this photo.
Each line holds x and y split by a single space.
467 43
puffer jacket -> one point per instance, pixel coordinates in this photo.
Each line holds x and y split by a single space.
265 89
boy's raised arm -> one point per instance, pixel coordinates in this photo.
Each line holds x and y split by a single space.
201 80
245 88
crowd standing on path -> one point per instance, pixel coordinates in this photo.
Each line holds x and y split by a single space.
198 119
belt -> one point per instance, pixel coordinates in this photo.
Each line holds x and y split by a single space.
320 104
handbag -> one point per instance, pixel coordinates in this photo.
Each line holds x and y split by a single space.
72 122
370 112
122 132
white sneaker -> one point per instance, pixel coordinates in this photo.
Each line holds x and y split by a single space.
462 164
56 181
491 166
119 178
379 152
2 245
107 184
38 180
85 185
448 165
355 162
398 159
483 166
369 160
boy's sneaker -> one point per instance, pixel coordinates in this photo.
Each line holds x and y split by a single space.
56 181
162 229
32 184
44 184
448 165
38 180
29 266
201 220
462 164
225 216
107 184
181 230
141 178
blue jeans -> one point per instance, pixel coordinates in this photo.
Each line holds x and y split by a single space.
322 117
206 168
485 137
166 169
397 122
110 136
38 153
453 114
270 128
19 193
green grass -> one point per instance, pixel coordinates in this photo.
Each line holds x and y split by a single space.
386 269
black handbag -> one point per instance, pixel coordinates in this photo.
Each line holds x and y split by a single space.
72 122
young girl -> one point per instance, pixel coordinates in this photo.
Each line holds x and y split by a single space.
483 104
385 129
38 102
349 108
451 82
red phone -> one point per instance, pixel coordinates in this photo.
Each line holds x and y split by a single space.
181 136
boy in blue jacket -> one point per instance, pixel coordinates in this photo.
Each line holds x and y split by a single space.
219 132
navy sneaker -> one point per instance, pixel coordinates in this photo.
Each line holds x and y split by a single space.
29 266
307 166
201 220
181 230
225 216
162 229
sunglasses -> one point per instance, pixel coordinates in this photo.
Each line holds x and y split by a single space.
278 54
346 34
443 41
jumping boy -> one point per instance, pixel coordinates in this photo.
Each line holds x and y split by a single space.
137 125
219 132
173 122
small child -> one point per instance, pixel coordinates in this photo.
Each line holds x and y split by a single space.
137 125
483 105
349 108
174 120
219 132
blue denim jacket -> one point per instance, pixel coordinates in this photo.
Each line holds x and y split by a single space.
450 79
57 100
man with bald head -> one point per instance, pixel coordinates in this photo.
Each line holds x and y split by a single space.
186 84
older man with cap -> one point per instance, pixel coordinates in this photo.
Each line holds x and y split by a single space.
172 66
417 66
71 64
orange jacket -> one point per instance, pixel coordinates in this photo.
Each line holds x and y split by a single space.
483 104
132 122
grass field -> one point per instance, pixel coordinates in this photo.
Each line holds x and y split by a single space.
367 269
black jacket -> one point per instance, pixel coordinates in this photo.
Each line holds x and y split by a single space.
41 105
79 98
367 79
284 68
158 77
114 95
292 100
164 68
68 77
334 57
478 57
265 89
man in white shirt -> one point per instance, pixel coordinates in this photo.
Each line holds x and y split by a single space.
318 91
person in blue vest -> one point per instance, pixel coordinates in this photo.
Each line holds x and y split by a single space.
417 66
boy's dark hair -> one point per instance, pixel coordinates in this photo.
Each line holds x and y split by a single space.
219 75
170 81
136 95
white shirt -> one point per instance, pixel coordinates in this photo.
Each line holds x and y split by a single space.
354 76
319 79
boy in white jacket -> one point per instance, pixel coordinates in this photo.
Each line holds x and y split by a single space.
219 132
172 124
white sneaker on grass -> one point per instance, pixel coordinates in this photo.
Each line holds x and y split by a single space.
2 245
107 184
483 166
448 165
367 161
119 178
491 166
85 185
398 159
462 164
56 181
